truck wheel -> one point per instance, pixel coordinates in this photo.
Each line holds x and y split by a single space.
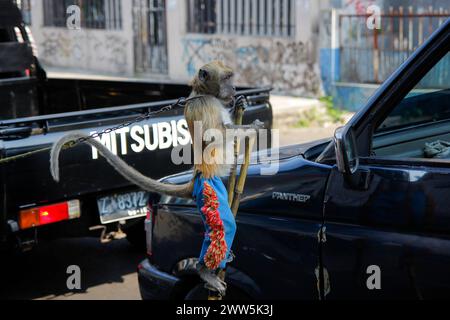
199 293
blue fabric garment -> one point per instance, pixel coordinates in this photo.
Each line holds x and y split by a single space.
225 213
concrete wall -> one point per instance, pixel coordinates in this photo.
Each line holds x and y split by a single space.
290 65
102 51
348 96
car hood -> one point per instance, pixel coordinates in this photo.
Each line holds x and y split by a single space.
305 149
295 174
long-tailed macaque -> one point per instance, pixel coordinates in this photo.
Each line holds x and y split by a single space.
213 85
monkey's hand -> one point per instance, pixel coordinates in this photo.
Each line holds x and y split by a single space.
256 125
241 102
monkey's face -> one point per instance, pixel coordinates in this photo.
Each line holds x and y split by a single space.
215 79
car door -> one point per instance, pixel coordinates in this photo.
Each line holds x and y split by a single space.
387 209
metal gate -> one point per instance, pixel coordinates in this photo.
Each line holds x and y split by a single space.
150 36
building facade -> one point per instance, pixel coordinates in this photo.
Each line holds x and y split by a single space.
267 42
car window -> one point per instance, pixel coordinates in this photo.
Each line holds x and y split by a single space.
429 101
419 126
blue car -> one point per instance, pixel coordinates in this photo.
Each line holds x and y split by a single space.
365 215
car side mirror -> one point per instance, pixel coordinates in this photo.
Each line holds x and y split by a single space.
346 154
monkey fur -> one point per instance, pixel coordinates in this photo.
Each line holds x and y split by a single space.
213 85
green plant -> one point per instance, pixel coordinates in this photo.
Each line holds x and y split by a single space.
319 116
310 117
303 123
335 114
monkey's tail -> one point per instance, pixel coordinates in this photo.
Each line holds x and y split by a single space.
128 172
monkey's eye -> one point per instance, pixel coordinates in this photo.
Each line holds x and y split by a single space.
203 75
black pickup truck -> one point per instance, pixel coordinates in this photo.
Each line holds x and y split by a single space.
36 111
363 216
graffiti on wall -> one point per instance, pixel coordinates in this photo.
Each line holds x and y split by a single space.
84 50
288 66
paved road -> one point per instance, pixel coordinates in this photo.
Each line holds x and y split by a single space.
288 111
108 272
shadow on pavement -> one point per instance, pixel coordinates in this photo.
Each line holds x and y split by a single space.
42 272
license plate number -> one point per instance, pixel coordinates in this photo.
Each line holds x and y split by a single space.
120 207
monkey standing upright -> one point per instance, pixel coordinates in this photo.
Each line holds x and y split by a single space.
213 87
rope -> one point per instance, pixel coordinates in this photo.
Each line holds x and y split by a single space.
23 155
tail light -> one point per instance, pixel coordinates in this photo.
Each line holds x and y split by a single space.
39 216
149 228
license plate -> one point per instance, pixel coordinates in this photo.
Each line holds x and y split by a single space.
120 207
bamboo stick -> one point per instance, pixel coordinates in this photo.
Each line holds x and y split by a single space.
239 115
249 142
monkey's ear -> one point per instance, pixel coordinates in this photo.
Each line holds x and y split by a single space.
203 75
